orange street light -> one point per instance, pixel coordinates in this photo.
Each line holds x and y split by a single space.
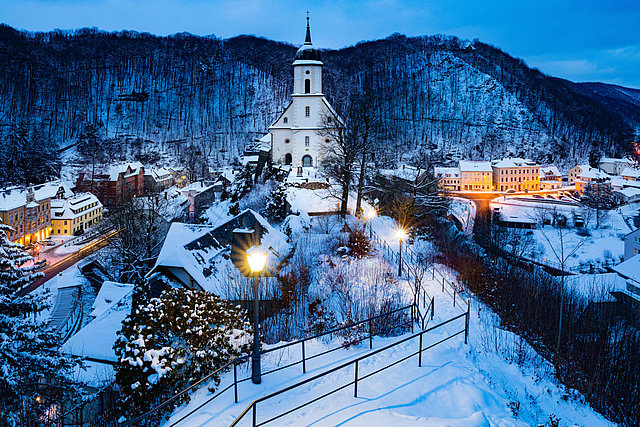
257 259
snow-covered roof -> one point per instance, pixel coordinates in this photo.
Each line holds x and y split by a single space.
158 174
629 268
441 172
547 171
110 293
474 166
198 249
593 173
629 192
113 171
614 161
513 162
406 172
631 172
64 208
249 159
96 339
14 197
195 188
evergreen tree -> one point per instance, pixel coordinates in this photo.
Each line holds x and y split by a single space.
33 375
173 341
242 184
277 208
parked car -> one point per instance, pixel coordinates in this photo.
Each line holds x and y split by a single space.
510 191
49 243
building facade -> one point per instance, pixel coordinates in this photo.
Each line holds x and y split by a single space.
475 176
448 178
28 210
632 244
614 166
157 179
296 136
74 215
593 177
516 174
113 183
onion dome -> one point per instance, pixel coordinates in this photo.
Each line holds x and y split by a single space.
307 52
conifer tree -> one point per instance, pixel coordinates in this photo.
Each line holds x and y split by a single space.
277 208
242 184
34 377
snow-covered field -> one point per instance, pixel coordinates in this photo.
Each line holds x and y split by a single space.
478 384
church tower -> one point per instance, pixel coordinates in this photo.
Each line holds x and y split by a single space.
295 137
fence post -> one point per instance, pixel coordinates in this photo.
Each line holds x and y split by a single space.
370 335
304 361
432 304
454 298
442 283
254 415
412 317
420 353
355 388
466 324
235 379
433 273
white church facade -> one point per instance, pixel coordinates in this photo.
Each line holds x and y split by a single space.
296 136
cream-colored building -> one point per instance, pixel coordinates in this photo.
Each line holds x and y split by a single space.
575 171
448 178
517 174
593 177
614 166
475 176
74 215
296 136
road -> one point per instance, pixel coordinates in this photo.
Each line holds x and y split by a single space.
52 270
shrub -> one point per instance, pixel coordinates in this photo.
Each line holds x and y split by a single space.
359 244
173 341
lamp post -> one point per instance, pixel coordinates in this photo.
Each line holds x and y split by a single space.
257 259
371 214
401 235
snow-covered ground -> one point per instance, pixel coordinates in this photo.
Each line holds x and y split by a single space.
478 384
594 245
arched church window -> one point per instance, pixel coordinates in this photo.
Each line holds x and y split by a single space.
307 86
288 159
286 120
307 161
307 111
306 141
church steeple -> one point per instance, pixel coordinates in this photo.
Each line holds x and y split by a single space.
307 39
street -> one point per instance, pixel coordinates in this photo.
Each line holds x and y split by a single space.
66 262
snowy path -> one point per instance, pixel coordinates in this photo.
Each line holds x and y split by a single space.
457 385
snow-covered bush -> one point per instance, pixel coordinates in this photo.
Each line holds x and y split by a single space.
174 340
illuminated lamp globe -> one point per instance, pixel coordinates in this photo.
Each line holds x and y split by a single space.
400 233
257 259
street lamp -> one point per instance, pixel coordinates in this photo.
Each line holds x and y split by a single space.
401 234
257 259
371 214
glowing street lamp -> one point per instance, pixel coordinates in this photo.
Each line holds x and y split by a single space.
257 259
370 215
400 234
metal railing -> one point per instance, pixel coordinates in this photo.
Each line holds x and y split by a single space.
304 358
409 255
419 335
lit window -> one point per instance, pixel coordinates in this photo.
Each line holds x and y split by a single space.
307 111
306 140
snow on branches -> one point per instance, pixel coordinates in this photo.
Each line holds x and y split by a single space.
174 340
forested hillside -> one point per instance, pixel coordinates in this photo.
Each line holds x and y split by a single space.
465 98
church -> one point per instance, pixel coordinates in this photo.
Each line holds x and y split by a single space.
296 139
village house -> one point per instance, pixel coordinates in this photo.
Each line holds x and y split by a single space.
74 215
593 177
575 171
632 244
448 178
28 210
157 179
550 177
475 176
614 166
630 174
113 183
516 174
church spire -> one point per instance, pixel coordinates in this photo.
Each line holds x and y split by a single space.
307 39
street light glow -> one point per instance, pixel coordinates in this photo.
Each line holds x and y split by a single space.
371 213
257 258
401 233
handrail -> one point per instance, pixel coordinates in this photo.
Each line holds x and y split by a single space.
355 363
238 360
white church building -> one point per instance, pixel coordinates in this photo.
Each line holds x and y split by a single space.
296 137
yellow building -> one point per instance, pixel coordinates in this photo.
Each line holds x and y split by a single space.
74 215
28 210
517 174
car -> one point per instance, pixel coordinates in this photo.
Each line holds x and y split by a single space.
510 191
49 243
